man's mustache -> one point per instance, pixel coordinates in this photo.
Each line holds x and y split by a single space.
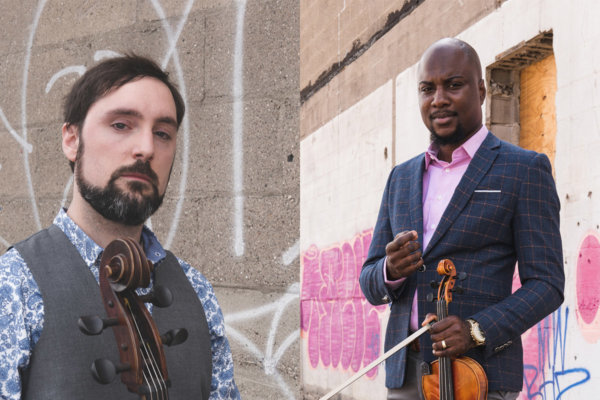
442 114
140 167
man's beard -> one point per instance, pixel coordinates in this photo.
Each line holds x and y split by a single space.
115 204
457 137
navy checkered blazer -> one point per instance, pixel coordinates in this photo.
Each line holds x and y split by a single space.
504 210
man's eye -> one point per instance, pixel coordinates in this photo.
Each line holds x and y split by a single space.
455 85
119 126
425 89
162 135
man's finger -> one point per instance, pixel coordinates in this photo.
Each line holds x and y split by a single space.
400 240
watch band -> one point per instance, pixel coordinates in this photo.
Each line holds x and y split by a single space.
476 333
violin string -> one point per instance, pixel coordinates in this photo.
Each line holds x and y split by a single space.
155 382
445 384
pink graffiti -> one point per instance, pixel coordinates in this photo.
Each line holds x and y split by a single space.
588 279
342 329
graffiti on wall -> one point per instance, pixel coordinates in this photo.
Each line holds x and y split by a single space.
341 328
546 374
588 281
343 331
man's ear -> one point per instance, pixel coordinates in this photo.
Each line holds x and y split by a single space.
482 91
70 141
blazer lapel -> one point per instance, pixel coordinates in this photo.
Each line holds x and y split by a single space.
478 167
416 197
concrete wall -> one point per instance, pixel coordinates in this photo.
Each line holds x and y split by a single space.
365 119
232 207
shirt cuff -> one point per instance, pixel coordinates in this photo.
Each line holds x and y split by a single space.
391 284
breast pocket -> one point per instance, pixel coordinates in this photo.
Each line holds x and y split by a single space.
487 197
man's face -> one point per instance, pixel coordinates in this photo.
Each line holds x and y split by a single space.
451 93
126 150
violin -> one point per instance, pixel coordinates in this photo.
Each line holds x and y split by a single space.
142 366
460 378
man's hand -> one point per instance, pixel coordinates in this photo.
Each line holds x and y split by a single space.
403 255
451 336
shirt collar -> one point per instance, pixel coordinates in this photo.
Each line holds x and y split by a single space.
90 251
468 148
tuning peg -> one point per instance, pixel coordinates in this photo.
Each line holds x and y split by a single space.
434 284
160 296
458 289
93 325
104 371
174 337
430 297
461 275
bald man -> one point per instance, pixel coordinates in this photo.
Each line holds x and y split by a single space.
482 203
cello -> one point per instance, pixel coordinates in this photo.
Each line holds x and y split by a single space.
142 366
460 378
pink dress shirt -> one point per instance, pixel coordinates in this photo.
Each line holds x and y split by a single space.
440 179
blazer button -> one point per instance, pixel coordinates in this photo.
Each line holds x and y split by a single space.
385 299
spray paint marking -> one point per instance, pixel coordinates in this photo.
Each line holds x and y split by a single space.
73 69
588 280
290 255
26 146
36 20
173 54
238 130
342 329
102 54
270 359
174 37
544 360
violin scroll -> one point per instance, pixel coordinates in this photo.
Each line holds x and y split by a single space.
459 378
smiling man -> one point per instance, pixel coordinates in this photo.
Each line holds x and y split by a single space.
120 137
485 205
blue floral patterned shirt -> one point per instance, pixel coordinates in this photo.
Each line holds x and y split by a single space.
22 311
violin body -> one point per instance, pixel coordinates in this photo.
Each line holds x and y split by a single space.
469 380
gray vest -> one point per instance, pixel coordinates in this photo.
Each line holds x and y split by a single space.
60 363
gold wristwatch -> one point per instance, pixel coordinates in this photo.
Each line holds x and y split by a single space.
476 334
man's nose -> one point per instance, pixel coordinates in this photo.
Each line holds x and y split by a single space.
143 147
440 97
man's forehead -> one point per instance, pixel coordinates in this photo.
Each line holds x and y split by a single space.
124 97
446 61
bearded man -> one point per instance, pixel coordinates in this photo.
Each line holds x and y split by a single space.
119 135
482 203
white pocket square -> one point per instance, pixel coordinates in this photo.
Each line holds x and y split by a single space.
488 191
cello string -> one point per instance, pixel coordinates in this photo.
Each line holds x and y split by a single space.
153 382
149 380
156 370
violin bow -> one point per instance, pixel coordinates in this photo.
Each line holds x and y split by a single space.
378 361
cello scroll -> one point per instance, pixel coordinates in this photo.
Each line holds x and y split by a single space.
142 366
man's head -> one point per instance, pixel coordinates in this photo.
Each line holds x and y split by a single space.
109 75
451 91
120 131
